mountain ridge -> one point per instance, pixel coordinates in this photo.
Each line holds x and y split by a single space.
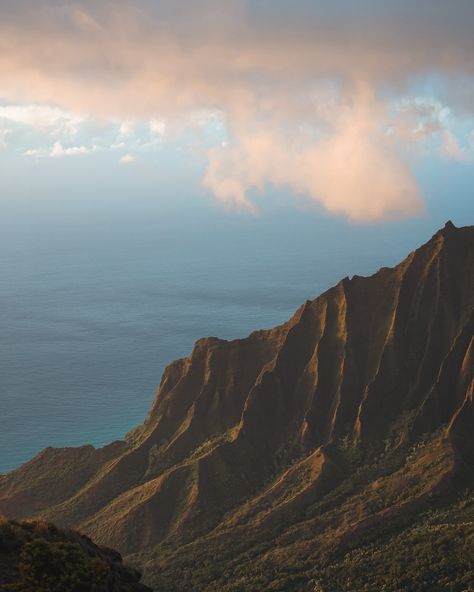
355 413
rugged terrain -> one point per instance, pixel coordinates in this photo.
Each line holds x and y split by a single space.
291 459
35 556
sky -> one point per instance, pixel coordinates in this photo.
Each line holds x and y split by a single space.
343 106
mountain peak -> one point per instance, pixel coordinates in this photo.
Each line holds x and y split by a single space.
449 229
353 415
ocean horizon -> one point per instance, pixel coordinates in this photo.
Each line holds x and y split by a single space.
90 318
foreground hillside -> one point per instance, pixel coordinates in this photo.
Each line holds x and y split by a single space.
299 457
35 556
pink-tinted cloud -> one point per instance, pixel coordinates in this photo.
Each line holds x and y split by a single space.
353 169
289 87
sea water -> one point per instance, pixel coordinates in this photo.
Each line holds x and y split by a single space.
94 303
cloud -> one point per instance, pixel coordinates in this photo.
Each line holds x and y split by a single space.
94 136
58 150
3 137
149 57
419 118
35 152
42 118
128 159
127 129
352 170
157 126
285 80
451 148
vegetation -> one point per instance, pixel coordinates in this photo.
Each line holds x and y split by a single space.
37 557
434 554
302 458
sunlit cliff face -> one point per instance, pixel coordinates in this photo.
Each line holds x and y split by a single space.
330 102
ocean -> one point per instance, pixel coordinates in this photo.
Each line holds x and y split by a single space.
95 303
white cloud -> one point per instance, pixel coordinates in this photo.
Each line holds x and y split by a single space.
36 152
157 126
3 137
127 129
42 118
58 150
128 159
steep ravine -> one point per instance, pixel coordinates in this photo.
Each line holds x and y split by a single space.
355 414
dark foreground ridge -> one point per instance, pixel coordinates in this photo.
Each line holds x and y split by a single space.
334 452
35 556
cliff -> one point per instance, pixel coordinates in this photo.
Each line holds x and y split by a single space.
353 417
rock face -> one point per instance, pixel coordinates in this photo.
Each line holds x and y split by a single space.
352 415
